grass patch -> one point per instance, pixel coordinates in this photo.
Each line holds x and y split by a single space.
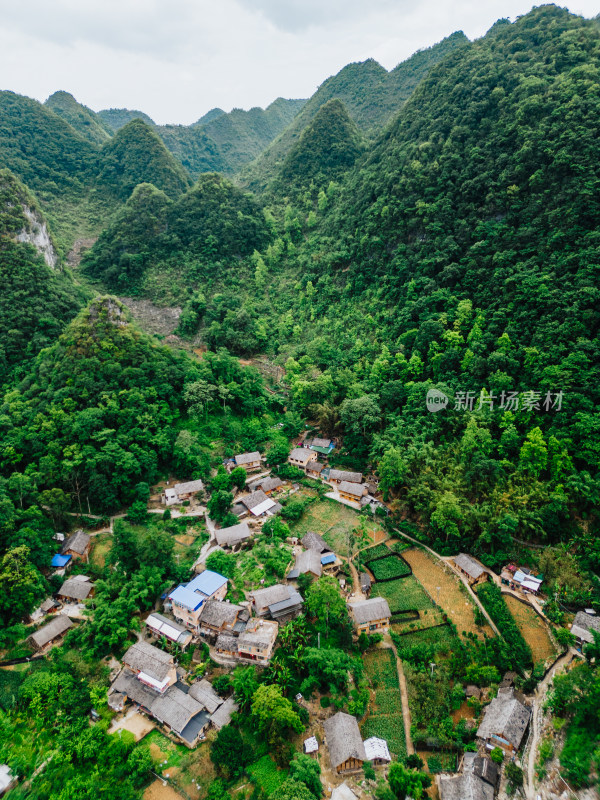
333 521
442 638
379 551
100 549
266 775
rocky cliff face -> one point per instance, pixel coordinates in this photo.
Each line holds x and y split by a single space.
36 233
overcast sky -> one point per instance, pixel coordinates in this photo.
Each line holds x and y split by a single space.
176 59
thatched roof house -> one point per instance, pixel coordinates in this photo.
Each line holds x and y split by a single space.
506 720
344 742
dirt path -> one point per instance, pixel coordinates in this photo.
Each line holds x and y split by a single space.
403 694
537 712
447 560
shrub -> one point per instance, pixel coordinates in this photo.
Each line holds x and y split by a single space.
497 755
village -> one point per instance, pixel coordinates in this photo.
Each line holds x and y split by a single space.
397 593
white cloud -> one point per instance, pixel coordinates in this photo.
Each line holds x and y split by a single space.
175 59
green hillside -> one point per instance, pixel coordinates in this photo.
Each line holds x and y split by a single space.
327 148
80 117
225 142
370 93
135 155
184 242
36 301
116 118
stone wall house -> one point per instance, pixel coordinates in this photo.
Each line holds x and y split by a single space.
505 721
353 492
257 641
301 457
234 536
583 627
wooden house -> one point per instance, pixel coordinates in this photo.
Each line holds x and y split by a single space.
370 616
307 562
78 588
257 641
344 742
181 492
337 476
248 461
77 546
471 569
51 633
353 492
219 617
314 469
233 536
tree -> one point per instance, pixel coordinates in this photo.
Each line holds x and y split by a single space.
274 713
407 782
514 775
219 504
497 755
306 770
533 457
21 585
278 452
369 771
238 478
292 790
360 415
228 752
324 601
392 470
245 685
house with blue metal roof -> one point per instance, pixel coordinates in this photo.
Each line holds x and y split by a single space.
188 599
59 561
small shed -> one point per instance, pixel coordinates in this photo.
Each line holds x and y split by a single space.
311 746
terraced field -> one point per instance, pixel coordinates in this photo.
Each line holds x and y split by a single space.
405 595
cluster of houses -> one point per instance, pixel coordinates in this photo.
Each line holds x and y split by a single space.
521 579
68 605
149 678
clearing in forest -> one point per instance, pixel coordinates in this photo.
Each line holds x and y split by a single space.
384 718
446 589
533 630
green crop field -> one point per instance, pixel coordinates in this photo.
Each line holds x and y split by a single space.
374 552
442 638
385 711
407 594
389 567
266 775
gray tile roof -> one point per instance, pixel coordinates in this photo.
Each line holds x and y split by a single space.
203 692
356 489
149 659
507 717
188 488
75 589
469 565
175 708
343 739
302 454
254 499
583 625
315 466
77 542
226 642
370 610
308 561
344 475
217 613
56 627
263 598
313 541
229 537
464 787
247 458
222 715
320 442
126 683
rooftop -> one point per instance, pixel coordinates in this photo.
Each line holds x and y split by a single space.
370 610
222 715
313 541
583 625
247 458
343 739
217 613
77 542
307 561
203 692
76 589
302 454
506 716
356 489
233 535
188 488
58 560
377 748
168 627
144 657
56 627
344 475
469 565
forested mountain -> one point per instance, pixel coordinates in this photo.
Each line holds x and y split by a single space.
370 93
462 254
36 300
80 117
116 118
326 149
136 155
211 224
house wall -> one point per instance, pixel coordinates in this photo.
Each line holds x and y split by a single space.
352 498
372 627
351 765
79 556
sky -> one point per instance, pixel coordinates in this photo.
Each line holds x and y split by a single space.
176 59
